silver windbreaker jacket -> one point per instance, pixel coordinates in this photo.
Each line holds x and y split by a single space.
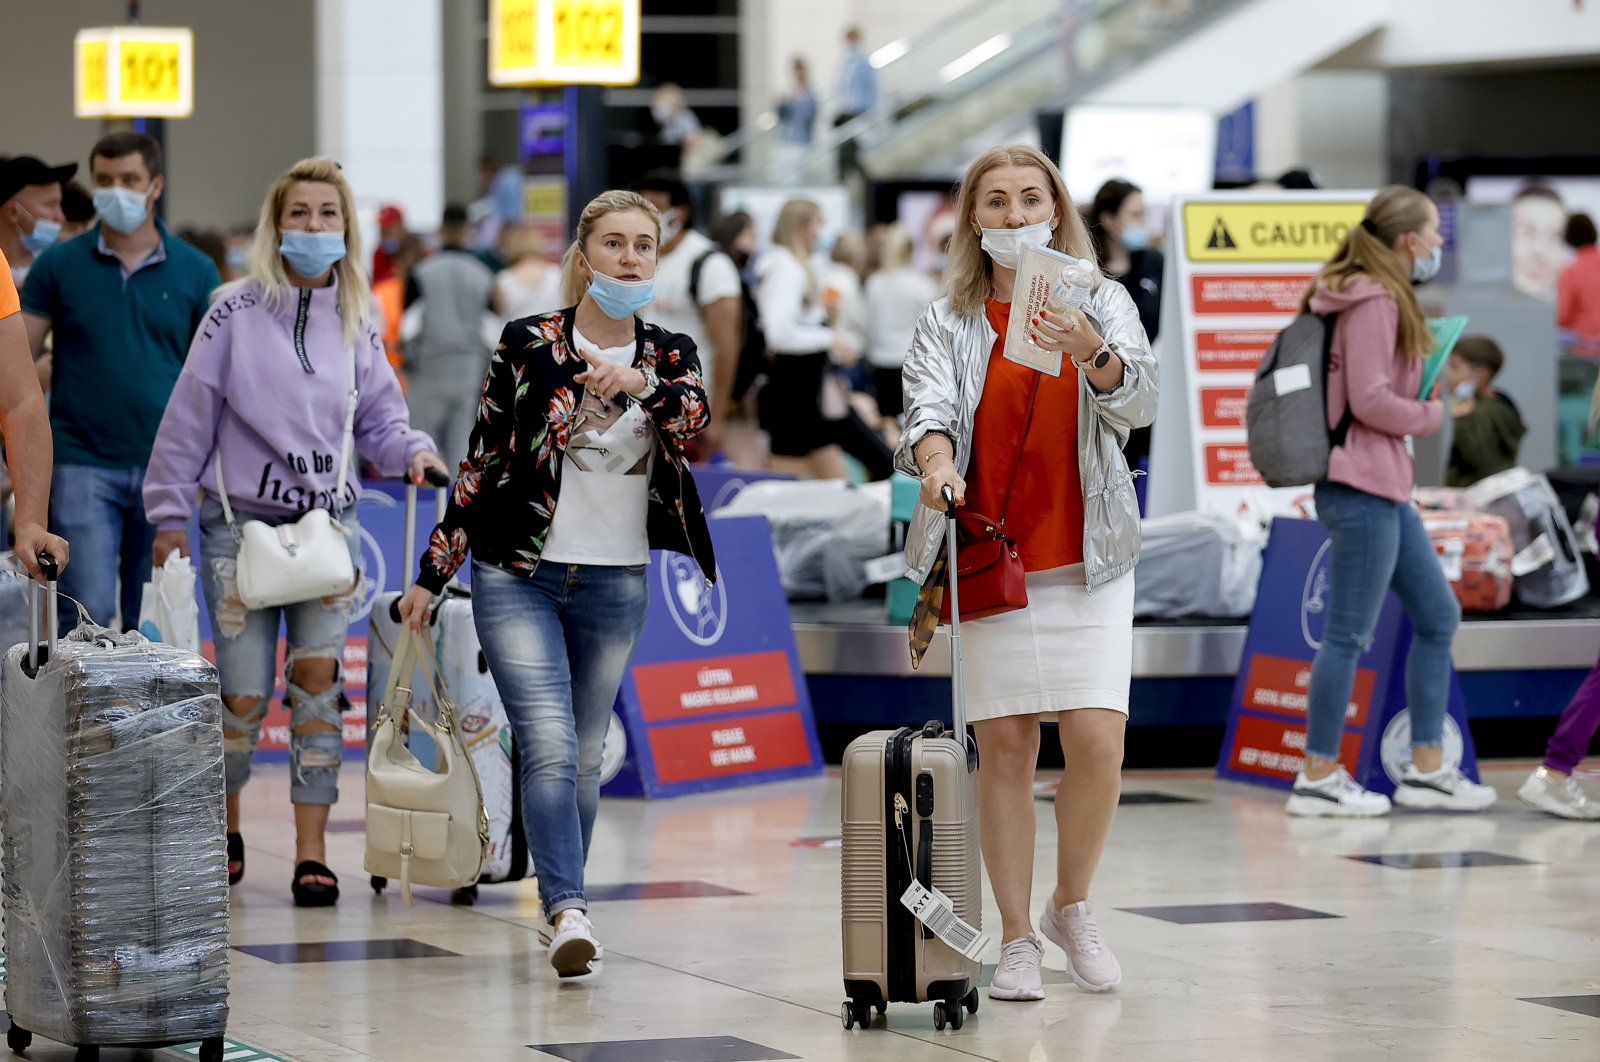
944 374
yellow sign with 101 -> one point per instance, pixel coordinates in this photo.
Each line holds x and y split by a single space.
134 72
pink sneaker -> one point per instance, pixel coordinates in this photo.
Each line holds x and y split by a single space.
1075 931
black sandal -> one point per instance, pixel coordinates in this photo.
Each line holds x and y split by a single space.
235 858
314 893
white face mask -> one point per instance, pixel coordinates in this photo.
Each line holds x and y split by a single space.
671 224
1005 245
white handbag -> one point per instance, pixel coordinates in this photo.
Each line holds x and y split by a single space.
427 827
301 561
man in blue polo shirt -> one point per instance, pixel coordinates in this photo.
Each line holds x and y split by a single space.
122 301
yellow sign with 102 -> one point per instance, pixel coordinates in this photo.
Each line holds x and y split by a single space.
564 42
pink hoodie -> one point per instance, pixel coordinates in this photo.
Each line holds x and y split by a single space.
1380 381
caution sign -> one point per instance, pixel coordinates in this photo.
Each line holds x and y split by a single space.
1263 231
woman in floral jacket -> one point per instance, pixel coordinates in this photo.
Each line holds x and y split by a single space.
576 471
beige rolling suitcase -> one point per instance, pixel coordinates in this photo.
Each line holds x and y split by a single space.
910 815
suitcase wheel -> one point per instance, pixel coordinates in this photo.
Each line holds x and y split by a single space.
211 1050
18 1038
854 1013
466 896
379 884
948 1013
87 1053
971 1002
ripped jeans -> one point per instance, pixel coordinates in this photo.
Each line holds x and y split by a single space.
247 651
1379 545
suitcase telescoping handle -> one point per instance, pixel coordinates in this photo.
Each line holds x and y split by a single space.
49 587
441 497
958 699
441 484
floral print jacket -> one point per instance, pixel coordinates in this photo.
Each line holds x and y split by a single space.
505 496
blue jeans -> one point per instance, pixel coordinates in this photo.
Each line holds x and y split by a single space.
558 645
1379 545
246 642
100 512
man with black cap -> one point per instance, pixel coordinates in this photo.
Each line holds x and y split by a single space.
30 209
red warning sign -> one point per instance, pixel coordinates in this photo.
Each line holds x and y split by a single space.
1230 351
1281 684
1223 407
1277 749
1228 465
1249 293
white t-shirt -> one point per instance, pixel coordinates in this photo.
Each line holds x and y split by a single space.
518 300
894 303
604 497
675 311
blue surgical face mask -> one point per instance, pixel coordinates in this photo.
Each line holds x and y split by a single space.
45 232
239 259
123 209
1425 269
311 254
826 241
1135 238
620 299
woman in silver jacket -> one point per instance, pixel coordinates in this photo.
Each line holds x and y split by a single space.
1041 455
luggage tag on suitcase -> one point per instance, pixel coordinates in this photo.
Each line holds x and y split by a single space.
936 911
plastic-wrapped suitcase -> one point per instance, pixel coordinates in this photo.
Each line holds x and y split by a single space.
1197 564
910 815
1475 551
1548 566
116 865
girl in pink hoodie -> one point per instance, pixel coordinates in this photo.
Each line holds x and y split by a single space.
1378 543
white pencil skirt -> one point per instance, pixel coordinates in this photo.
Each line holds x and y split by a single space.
1068 649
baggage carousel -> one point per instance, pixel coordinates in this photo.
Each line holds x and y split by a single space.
1513 664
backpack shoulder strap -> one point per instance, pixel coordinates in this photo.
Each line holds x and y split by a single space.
1338 433
695 269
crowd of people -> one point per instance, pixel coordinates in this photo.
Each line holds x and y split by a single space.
236 386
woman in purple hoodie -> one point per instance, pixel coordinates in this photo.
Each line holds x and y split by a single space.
1378 543
259 411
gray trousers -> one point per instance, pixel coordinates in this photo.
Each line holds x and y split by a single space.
445 408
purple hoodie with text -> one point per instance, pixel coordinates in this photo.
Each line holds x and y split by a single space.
268 384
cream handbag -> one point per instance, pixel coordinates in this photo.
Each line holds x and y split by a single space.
303 560
427 827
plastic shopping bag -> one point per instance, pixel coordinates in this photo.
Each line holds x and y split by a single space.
168 611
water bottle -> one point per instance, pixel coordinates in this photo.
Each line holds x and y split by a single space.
1070 290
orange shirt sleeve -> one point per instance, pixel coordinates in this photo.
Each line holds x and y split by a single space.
9 303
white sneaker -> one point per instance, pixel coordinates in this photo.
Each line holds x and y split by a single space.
1446 789
1076 931
573 947
1548 791
1335 797
1017 977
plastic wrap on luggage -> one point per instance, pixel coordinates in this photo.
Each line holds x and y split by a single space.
1548 566
116 882
1197 564
823 533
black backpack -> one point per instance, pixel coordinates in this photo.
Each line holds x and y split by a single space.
754 361
1289 402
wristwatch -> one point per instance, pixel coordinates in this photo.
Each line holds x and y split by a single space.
651 384
1100 358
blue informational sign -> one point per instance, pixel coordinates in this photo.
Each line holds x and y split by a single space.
1236 144
720 484
541 129
714 696
1265 741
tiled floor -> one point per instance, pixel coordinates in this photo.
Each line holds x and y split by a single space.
1439 952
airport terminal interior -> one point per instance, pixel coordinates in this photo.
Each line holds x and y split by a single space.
342 722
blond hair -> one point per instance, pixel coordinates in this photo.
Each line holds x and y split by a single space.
520 241
1393 212
266 263
894 248
796 215
969 275
574 285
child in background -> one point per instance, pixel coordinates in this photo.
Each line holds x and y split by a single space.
1488 427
